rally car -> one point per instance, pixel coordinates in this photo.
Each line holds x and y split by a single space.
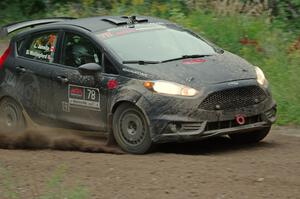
140 80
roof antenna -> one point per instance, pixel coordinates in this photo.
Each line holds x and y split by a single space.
132 19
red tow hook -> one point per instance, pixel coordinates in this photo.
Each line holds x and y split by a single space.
240 119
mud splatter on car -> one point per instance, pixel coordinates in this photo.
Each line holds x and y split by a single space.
140 80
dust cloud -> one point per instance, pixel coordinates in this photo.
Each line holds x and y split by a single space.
39 138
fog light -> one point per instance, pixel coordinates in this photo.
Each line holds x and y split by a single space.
271 114
174 127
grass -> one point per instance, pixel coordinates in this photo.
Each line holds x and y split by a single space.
55 188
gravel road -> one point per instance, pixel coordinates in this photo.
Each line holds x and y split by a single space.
215 168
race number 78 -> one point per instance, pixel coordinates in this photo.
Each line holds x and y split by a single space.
91 94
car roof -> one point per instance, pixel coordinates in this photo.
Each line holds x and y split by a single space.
91 24
98 24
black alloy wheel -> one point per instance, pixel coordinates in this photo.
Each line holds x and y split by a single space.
11 116
131 129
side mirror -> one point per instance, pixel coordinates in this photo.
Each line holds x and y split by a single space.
89 69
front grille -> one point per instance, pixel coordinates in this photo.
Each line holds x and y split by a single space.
233 98
231 123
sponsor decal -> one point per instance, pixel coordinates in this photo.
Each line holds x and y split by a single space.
75 91
135 72
233 84
43 47
84 97
65 107
124 32
36 54
52 49
114 32
40 47
194 61
150 24
106 35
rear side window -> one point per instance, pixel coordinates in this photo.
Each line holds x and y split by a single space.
41 47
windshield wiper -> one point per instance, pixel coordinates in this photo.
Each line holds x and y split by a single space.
144 62
185 57
141 62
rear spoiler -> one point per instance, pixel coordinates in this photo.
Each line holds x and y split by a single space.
9 28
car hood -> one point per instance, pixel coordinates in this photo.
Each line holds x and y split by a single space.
197 72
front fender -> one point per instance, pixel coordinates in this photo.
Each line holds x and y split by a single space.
127 95
123 95
9 89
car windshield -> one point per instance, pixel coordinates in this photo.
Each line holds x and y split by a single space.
154 44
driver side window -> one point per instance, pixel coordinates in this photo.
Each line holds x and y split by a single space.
78 50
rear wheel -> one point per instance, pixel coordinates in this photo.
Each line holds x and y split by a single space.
11 116
250 137
131 129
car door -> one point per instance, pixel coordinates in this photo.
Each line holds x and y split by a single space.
33 66
80 101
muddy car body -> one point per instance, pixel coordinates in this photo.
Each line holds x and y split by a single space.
141 80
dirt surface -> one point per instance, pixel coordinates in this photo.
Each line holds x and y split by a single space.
214 168
57 139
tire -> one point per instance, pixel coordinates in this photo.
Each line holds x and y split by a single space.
131 130
250 137
11 116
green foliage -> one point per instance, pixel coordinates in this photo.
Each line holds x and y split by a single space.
262 39
287 13
85 8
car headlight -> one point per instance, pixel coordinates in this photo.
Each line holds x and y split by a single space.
170 88
260 77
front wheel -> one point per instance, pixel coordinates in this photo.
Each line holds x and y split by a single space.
11 116
250 137
131 130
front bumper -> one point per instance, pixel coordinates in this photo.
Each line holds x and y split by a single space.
178 131
202 134
177 119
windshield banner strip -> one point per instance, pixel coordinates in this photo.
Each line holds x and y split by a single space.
125 31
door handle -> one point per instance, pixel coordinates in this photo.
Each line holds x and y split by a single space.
20 69
62 79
